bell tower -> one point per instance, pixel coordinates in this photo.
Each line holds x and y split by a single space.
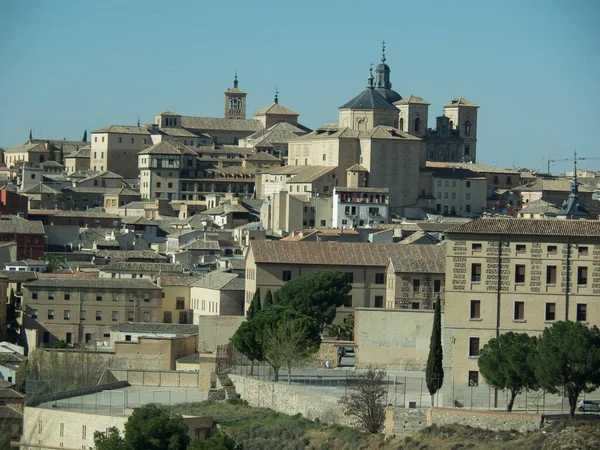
235 102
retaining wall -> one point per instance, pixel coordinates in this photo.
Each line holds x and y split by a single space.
489 420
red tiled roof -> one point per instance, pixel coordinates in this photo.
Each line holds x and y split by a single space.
533 227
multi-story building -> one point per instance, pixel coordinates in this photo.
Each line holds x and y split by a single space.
131 269
459 192
270 264
83 310
176 297
359 206
78 160
28 234
115 148
217 294
518 275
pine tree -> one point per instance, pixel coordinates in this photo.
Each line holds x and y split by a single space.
84 138
434 374
268 300
254 305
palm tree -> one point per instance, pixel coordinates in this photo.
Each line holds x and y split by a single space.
54 262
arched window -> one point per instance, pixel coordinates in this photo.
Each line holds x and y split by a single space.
401 123
240 103
417 125
450 124
467 128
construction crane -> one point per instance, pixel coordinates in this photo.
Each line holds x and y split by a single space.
575 159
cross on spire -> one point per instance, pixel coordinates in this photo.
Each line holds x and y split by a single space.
276 94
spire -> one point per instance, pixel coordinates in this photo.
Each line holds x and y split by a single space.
276 94
30 135
371 78
573 207
382 72
383 51
235 81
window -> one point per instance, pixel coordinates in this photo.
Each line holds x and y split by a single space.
519 311
416 305
417 125
476 247
82 296
437 285
131 296
146 296
401 123
581 312
519 273
67 296
98 315
475 272
552 249
286 275
445 195
348 301
349 277
475 309
323 223
99 296
146 316
496 180
120 139
158 184
467 128
379 278
67 314
50 295
69 338
82 315
439 183
34 295
416 285
183 316
582 251
474 346
127 338
453 195
167 317
50 314
521 248
582 276
379 301
468 208
115 296
473 378
170 185
130 316
46 338
180 303
468 184
551 275
34 313
550 311
324 157
453 183
132 140
509 179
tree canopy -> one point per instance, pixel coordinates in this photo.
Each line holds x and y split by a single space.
434 373
507 362
568 359
317 295
365 400
254 305
268 301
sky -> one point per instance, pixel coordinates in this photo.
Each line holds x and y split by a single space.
533 66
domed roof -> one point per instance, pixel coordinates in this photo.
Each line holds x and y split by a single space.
383 67
389 94
368 99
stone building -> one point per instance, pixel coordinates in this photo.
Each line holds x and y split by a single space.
270 264
81 311
518 275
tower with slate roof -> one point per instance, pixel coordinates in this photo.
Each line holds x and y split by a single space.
235 102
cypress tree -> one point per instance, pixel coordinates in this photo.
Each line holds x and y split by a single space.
52 155
434 374
254 305
61 155
84 138
268 300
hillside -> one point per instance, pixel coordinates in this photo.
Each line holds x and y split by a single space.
259 428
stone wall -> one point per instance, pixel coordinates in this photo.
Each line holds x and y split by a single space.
489 420
216 330
288 400
404 421
157 378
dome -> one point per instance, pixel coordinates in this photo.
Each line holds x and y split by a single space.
390 95
383 67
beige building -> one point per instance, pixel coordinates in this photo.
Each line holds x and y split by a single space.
176 303
78 160
82 310
217 294
459 192
269 264
518 275
115 148
416 279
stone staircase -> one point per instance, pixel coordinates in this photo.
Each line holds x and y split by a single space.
226 383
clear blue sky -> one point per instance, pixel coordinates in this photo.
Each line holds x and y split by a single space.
532 66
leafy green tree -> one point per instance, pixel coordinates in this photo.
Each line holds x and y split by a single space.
317 295
109 441
289 342
60 344
434 373
568 360
54 262
335 330
268 301
219 441
84 138
245 341
153 428
365 400
508 362
254 305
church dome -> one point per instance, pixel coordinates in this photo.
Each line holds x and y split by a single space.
389 94
383 67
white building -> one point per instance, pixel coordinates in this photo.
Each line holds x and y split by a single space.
359 206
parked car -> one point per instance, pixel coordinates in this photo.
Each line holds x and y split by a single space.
588 405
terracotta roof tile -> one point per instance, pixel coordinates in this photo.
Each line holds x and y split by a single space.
531 227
